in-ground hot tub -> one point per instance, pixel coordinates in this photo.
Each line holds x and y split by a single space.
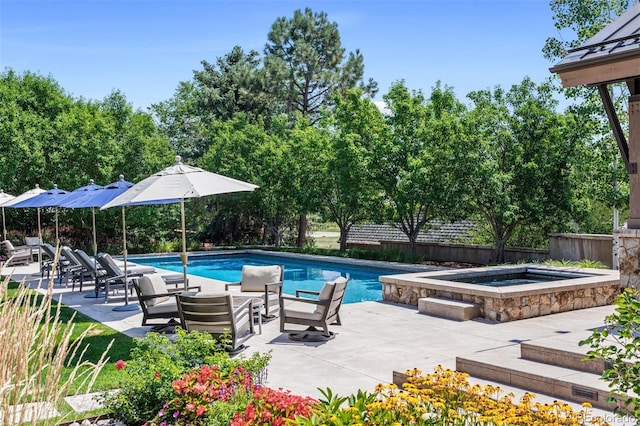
507 293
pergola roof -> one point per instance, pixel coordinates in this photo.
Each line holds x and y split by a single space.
612 55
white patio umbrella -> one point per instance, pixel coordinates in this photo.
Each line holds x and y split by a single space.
4 197
25 196
179 181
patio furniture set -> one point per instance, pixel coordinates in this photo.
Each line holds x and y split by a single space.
234 312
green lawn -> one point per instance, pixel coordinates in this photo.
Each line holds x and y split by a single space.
97 341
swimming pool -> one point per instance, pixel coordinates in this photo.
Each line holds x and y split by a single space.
298 273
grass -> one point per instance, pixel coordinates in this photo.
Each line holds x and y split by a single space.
98 337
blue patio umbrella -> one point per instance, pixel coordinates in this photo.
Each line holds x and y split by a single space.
25 196
101 197
50 198
77 198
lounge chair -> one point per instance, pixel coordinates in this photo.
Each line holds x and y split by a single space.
316 314
55 261
18 258
264 282
156 299
10 249
216 315
115 277
75 271
95 271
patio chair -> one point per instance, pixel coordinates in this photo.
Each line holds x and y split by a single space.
115 277
263 282
317 314
90 265
34 244
157 300
75 271
215 314
10 249
55 261
18 258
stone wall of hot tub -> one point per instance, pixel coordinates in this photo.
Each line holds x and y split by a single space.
506 303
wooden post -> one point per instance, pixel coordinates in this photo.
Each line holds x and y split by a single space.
634 157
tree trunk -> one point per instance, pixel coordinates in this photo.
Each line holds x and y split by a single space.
344 233
412 243
498 251
302 230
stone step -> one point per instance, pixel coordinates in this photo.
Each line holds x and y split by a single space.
448 308
504 365
563 354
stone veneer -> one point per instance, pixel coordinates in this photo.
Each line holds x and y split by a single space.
629 255
507 303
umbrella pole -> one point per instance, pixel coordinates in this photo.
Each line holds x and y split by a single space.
57 237
184 244
126 306
40 240
95 240
4 227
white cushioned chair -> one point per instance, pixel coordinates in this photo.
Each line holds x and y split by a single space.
314 313
264 282
156 299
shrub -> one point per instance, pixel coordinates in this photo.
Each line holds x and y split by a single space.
272 406
444 397
146 383
618 343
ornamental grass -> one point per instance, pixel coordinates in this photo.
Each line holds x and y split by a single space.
36 348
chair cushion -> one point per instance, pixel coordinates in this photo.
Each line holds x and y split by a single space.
325 294
32 241
152 285
8 245
255 277
168 306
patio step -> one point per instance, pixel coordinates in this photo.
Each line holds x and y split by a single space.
505 365
562 354
448 308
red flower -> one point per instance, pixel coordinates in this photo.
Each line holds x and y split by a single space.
157 375
120 364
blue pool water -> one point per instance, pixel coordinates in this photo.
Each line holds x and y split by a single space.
298 274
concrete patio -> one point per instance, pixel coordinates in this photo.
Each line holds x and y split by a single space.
375 340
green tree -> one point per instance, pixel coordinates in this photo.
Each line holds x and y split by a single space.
418 166
356 128
520 163
306 67
307 64
600 174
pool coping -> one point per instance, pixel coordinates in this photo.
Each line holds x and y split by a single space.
362 263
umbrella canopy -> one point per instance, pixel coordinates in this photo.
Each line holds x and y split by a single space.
179 181
23 197
74 200
101 197
4 197
50 198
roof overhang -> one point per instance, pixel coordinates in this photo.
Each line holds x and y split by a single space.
611 56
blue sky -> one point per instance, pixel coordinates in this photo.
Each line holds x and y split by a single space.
146 47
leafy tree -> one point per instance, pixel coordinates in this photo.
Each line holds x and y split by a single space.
601 176
418 166
235 83
519 169
356 127
306 67
306 61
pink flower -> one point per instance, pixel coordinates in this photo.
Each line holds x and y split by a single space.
120 364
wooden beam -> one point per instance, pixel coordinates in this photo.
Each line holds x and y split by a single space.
601 73
616 128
